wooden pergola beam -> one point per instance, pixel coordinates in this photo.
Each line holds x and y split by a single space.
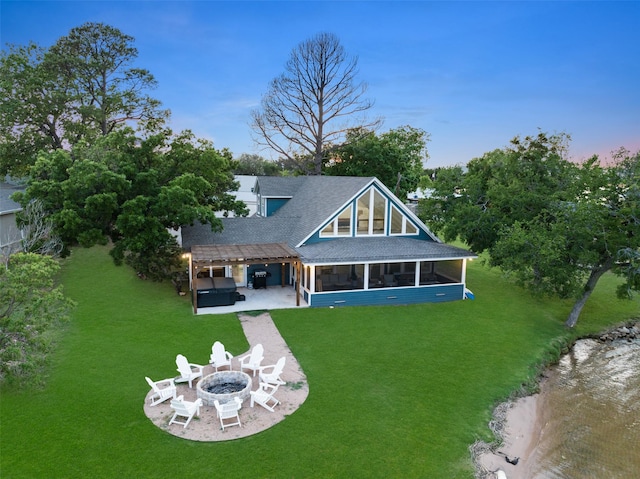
243 254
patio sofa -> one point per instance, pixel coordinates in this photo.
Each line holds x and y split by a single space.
215 292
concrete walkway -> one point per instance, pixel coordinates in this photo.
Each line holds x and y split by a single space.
257 329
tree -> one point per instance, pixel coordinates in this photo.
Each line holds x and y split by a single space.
499 188
83 87
32 109
31 310
556 226
132 192
256 165
396 157
307 108
38 230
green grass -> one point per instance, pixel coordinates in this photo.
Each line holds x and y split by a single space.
394 391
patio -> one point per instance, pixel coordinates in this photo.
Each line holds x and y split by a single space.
206 426
273 297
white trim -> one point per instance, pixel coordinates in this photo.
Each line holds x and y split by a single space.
390 198
340 208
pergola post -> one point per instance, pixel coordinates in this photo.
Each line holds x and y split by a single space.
298 271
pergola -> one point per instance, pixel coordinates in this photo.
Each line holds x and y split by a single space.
204 256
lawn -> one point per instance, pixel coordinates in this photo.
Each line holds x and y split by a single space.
394 391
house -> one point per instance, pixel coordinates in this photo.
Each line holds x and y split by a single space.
244 193
10 234
338 240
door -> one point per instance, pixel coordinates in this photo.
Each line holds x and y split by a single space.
238 273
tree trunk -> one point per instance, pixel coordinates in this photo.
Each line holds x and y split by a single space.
586 292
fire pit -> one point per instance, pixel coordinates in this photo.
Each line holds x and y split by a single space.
223 386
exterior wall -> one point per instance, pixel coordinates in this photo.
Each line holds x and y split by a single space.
10 235
275 273
245 194
274 204
315 238
387 296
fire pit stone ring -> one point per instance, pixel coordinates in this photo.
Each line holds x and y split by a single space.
223 386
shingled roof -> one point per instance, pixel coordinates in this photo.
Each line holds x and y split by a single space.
344 250
314 199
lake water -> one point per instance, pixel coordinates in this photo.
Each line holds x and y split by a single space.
591 414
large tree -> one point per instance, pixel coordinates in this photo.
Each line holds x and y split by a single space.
556 226
33 109
313 104
395 157
133 192
82 87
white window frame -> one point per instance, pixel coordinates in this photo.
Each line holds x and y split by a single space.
405 221
372 196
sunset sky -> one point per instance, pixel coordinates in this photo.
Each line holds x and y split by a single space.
472 74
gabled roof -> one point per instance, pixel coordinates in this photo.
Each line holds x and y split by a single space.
251 230
314 200
279 186
318 198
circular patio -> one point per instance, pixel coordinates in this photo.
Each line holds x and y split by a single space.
206 426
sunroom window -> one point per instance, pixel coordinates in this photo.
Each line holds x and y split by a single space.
371 213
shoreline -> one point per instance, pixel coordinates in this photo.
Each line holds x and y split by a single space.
518 424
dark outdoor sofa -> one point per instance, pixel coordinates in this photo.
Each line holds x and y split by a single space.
215 292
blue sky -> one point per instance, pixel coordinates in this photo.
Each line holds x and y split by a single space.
472 74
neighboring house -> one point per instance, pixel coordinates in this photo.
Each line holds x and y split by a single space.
339 240
414 197
10 234
243 193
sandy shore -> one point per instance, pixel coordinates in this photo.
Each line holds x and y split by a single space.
518 423
206 427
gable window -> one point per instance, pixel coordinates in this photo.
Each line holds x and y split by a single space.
371 213
400 224
340 226
344 222
397 220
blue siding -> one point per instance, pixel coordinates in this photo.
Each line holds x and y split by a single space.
275 273
388 296
315 238
274 204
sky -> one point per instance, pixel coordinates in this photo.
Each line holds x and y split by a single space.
471 74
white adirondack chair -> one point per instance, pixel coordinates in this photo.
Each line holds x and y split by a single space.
220 356
271 374
252 361
229 412
186 409
162 390
188 371
264 396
